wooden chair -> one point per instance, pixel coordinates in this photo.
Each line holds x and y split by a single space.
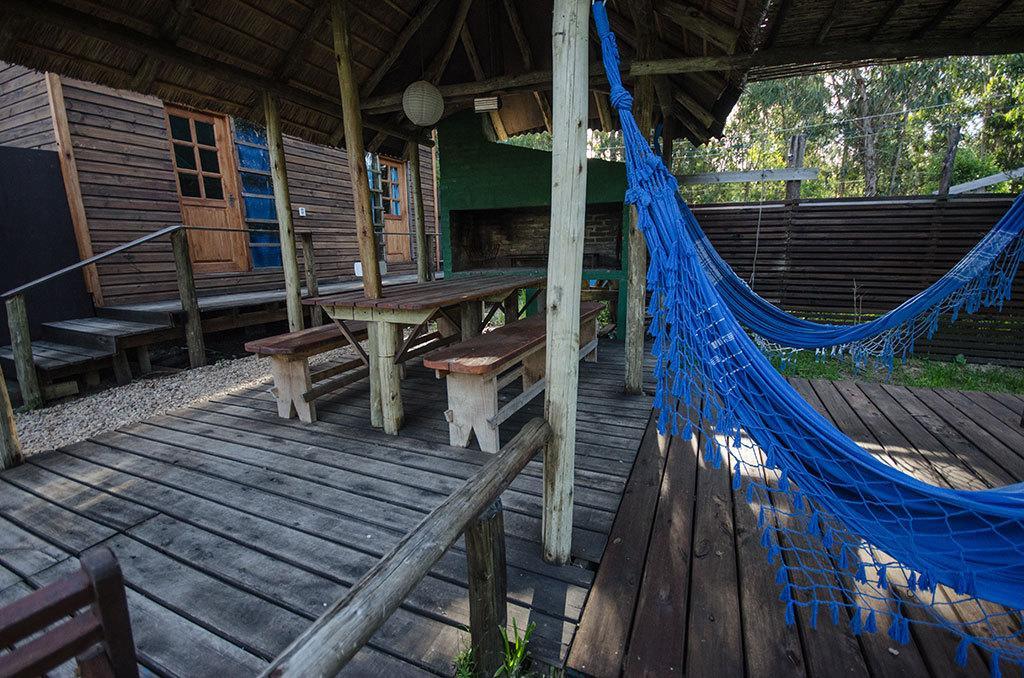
83 616
478 368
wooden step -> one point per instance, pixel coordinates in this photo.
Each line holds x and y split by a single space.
55 360
108 334
157 316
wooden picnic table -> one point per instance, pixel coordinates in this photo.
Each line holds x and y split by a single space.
457 307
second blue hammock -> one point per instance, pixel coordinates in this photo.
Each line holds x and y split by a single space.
982 279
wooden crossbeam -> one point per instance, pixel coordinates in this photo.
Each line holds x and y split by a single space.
478 72
780 174
837 10
699 23
992 16
526 53
990 180
887 14
300 45
411 28
935 19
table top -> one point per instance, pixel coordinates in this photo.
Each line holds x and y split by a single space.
430 295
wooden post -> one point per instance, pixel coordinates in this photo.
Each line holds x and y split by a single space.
316 314
565 268
72 187
21 346
10 447
946 178
355 152
391 409
355 149
795 160
488 587
424 269
372 342
283 205
636 275
472 314
189 301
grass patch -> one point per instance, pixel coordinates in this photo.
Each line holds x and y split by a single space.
916 372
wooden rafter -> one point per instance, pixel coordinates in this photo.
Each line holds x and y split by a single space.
701 24
604 111
992 16
478 72
170 30
398 46
837 10
936 19
776 24
526 53
887 14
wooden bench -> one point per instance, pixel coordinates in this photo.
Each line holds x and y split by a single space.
295 386
83 616
477 369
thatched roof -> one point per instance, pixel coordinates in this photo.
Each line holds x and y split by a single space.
218 55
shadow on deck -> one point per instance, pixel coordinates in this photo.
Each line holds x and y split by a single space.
684 587
236 529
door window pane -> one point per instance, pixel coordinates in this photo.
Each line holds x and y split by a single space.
189 184
184 156
213 188
208 159
179 128
204 134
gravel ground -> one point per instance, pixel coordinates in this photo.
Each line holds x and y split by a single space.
83 417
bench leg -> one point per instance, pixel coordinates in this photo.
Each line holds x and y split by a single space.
472 403
588 333
392 414
533 368
291 382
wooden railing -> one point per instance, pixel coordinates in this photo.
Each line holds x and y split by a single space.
333 639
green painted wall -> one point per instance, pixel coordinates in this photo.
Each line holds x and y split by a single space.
475 174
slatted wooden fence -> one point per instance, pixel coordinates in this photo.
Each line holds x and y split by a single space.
837 260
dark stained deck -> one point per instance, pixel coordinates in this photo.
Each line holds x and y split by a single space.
684 587
235 529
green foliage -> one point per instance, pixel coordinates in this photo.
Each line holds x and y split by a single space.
464 664
916 372
516 662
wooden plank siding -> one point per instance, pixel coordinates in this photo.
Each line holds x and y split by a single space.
122 152
25 109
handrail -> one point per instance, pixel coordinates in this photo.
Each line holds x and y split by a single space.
333 639
167 230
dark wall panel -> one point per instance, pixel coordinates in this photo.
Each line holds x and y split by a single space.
36 237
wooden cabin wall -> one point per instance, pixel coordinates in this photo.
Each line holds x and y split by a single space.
128 187
25 120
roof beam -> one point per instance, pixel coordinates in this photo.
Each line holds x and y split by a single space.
170 30
161 49
992 16
300 45
837 9
478 72
604 111
890 10
935 19
526 52
776 24
411 28
838 55
703 25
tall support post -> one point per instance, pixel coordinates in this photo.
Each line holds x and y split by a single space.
488 587
283 205
569 34
953 142
189 301
21 347
355 151
10 447
795 160
316 314
636 280
424 269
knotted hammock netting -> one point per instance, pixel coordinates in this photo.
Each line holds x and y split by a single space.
854 539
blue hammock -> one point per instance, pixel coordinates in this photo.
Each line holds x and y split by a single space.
983 278
854 539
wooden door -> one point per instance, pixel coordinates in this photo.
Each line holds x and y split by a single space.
207 177
397 239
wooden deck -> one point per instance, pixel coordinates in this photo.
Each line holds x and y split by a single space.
684 587
235 529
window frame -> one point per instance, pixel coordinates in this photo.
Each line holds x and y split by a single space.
192 117
386 165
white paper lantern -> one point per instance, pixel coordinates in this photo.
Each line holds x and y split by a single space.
423 104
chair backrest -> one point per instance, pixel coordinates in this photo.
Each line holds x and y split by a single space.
82 616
